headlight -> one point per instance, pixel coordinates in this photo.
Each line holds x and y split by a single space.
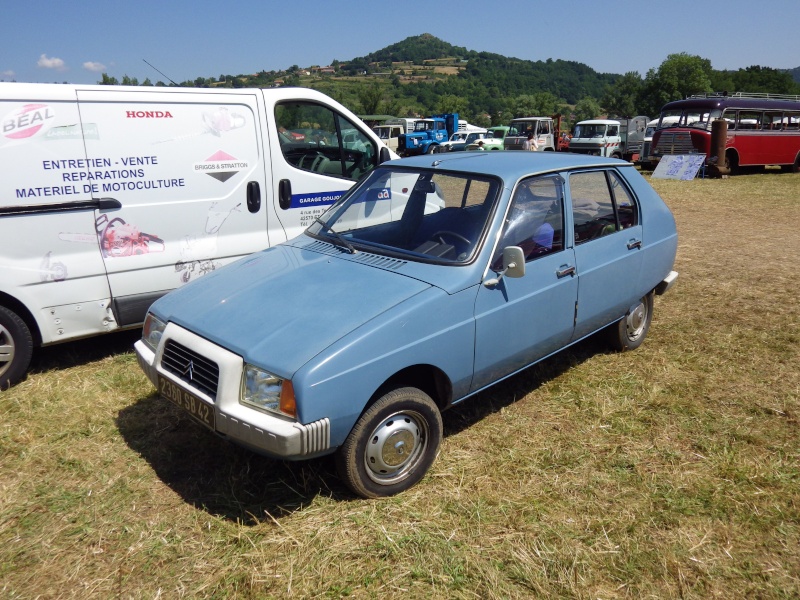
265 391
152 331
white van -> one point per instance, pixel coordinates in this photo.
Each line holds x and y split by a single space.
112 196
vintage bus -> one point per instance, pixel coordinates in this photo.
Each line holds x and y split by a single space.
762 129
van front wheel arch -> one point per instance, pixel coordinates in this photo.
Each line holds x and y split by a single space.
16 348
392 445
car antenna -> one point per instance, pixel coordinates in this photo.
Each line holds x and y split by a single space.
172 82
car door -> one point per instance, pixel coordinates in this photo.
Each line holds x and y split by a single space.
608 242
521 320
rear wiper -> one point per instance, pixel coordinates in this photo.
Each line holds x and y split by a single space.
337 235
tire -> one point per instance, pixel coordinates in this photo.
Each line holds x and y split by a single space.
392 445
432 149
16 348
733 163
629 332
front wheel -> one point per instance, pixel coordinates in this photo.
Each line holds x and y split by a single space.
629 332
392 445
16 348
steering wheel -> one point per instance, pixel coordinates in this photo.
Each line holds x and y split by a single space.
446 232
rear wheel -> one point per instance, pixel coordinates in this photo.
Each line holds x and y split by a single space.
16 348
392 445
629 332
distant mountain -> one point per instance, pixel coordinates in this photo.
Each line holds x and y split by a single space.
795 73
417 49
488 73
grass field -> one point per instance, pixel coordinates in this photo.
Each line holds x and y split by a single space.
669 472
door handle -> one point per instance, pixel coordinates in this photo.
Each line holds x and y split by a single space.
564 271
285 194
253 196
635 244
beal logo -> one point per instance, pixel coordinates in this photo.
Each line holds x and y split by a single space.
384 194
27 121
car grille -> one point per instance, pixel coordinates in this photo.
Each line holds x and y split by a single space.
189 366
678 142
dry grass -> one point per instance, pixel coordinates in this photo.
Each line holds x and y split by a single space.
672 471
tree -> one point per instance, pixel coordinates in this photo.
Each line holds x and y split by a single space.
106 80
679 76
620 98
539 104
587 108
449 103
370 97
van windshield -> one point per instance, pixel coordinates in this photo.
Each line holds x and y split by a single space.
589 131
418 214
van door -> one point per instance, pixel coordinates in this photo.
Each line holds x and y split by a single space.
49 256
188 173
322 153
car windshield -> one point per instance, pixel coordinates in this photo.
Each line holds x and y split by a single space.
418 214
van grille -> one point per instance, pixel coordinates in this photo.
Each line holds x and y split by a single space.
189 366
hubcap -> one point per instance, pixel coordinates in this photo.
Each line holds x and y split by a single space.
636 320
6 350
395 447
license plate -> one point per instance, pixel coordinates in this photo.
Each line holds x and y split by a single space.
197 408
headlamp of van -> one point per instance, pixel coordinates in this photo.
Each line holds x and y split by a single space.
268 392
152 331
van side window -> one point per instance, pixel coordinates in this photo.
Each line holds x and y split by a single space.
601 205
535 220
315 138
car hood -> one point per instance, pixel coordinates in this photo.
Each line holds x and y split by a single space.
281 307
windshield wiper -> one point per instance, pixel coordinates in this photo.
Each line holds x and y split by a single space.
337 235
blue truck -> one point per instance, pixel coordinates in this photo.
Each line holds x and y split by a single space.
428 134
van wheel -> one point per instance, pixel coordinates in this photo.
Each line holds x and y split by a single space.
629 332
392 445
16 348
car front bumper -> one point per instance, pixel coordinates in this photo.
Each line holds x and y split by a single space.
254 429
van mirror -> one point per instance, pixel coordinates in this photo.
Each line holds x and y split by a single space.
384 155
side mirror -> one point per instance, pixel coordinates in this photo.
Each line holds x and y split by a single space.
513 265
384 155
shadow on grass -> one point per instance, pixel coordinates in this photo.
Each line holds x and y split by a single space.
242 486
72 354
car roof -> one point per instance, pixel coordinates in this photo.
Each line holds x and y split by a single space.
510 165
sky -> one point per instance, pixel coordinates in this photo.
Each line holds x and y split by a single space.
75 42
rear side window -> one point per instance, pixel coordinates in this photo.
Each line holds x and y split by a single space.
315 138
601 205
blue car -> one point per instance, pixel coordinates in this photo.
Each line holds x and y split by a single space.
430 280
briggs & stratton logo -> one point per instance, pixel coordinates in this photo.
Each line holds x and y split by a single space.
221 166
27 121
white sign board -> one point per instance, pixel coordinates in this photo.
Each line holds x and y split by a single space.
680 166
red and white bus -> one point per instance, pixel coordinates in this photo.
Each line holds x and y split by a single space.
763 129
